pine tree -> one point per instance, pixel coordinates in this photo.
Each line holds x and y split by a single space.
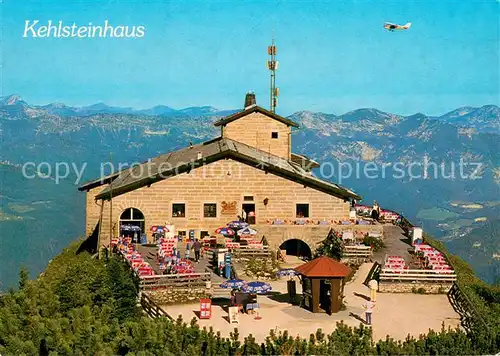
332 246
23 277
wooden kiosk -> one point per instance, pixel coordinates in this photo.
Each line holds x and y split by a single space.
323 284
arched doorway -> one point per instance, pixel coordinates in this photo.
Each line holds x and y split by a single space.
296 247
132 223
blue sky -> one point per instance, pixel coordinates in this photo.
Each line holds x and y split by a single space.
334 56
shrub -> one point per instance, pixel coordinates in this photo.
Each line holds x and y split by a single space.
376 243
52 316
262 267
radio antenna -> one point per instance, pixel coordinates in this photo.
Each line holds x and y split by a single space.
272 65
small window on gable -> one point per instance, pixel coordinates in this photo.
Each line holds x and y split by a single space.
274 134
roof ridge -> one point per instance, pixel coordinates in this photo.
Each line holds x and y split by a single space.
251 109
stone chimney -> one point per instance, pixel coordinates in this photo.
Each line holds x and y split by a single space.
250 100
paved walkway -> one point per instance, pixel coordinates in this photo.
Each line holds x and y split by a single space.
395 314
396 243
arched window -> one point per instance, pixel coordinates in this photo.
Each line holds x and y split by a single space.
132 222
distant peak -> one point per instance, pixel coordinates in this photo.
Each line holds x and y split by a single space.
99 105
11 99
57 105
418 115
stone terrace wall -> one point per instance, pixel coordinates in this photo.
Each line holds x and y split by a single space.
412 287
177 296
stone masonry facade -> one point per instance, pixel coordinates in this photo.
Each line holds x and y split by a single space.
225 183
257 130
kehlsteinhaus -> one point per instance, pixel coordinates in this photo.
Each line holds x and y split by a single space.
248 172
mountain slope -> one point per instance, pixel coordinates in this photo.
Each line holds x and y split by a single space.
89 136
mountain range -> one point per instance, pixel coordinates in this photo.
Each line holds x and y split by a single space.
39 217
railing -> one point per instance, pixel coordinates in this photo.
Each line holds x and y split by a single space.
151 308
357 251
469 317
160 281
184 280
416 275
374 273
251 252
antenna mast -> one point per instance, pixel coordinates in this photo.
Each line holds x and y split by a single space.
272 65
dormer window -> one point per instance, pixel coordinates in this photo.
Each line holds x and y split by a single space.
274 134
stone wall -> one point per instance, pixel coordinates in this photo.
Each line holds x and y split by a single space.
225 183
177 296
414 287
255 130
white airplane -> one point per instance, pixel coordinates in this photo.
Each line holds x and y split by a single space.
391 26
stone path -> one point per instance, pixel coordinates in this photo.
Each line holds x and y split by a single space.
396 243
395 314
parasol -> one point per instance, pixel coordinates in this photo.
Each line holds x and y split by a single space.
225 231
247 231
159 228
236 224
130 228
286 272
257 287
233 283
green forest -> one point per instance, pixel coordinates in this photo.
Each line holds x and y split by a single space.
83 306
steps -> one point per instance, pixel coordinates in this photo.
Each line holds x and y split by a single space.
218 292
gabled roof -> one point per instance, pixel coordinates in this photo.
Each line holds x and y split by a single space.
252 109
323 267
97 182
182 161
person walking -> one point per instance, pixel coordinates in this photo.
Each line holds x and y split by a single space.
188 247
375 211
196 247
369 306
373 284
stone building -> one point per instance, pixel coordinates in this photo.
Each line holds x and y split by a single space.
248 171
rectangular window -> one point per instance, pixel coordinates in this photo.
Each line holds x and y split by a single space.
210 210
302 210
178 210
182 233
204 234
274 134
248 198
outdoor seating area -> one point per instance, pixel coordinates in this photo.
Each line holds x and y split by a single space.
302 221
237 235
425 258
396 263
432 259
385 215
134 258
